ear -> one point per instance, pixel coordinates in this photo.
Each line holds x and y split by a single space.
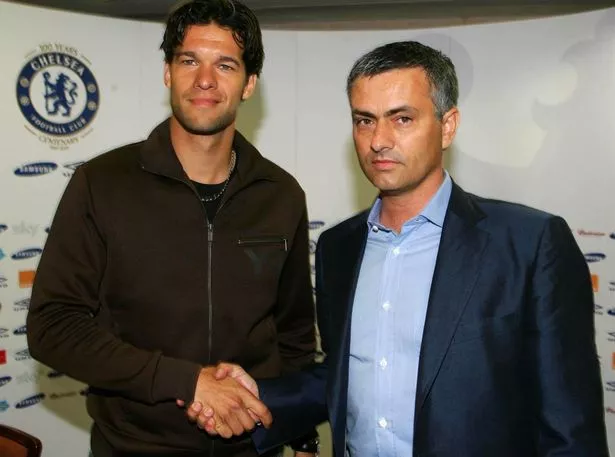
167 75
450 122
248 89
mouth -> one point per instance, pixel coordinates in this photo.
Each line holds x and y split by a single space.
383 164
204 102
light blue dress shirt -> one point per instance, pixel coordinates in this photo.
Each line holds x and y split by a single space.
388 317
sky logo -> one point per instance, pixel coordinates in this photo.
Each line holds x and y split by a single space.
36 169
315 225
4 332
30 401
594 257
20 330
5 380
610 386
27 253
3 282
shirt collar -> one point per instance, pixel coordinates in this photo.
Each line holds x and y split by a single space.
434 211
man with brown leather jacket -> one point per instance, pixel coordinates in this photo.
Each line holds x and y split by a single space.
169 255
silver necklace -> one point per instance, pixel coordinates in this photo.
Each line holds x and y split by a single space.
231 167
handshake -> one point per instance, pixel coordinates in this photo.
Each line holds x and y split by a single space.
226 402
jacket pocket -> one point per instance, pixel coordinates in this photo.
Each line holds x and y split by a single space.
263 241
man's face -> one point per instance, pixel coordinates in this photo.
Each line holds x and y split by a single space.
207 80
398 139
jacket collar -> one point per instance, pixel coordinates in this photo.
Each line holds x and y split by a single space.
157 156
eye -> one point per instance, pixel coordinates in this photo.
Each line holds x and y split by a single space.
187 61
225 67
362 121
404 120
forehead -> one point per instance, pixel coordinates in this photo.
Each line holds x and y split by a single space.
210 37
399 86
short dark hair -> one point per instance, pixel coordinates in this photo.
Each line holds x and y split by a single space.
231 14
412 54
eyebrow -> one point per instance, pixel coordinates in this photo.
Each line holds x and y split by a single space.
193 55
389 113
184 54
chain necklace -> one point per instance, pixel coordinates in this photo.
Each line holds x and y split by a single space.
231 167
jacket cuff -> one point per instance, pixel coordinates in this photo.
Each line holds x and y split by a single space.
175 379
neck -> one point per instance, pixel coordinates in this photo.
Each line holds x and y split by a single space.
397 208
204 158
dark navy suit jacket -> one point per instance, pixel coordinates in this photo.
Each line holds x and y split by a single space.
508 364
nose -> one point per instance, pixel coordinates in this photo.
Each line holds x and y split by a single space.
205 77
382 137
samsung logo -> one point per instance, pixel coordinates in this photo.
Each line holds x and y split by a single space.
5 380
612 235
594 257
315 225
27 254
611 312
54 374
20 330
24 354
30 401
36 169
21 305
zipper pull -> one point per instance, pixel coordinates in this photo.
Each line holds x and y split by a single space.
210 232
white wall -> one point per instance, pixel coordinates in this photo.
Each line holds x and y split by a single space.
536 128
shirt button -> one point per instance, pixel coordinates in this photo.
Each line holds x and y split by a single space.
396 251
382 422
383 363
375 229
386 306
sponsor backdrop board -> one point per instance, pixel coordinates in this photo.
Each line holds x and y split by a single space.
535 101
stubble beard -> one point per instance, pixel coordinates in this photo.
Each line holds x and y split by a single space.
195 127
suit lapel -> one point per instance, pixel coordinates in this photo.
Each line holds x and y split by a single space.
457 268
351 254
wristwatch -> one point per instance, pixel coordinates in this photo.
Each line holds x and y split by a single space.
311 445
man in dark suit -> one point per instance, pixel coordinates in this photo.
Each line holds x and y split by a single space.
453 325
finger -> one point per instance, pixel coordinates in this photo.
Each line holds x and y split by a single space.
194 410
232 421
259 409
222 429
180 403
223 370
210 426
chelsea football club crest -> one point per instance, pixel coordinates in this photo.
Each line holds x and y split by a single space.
58 95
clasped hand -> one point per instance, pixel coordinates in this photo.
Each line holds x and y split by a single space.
226 402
